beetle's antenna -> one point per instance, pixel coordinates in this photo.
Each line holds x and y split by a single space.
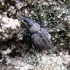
40 17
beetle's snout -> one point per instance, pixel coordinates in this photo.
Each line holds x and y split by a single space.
28 21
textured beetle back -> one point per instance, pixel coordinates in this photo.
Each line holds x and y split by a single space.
42 39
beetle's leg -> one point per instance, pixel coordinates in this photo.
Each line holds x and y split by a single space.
24 33
31 45
35 54
34 49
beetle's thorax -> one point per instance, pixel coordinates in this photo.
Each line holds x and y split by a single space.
34 28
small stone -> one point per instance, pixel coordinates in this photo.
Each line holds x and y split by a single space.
69 34
19 5
8 27
6 51
58 30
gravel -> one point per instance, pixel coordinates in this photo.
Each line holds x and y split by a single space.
54 15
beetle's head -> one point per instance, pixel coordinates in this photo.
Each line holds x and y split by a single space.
33 26
29 22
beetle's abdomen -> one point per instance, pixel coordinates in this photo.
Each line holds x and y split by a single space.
41 39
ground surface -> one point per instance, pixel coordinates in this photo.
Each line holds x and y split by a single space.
15 57
52 15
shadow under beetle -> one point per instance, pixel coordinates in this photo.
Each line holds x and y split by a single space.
39 36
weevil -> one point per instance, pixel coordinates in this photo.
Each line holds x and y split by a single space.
40 37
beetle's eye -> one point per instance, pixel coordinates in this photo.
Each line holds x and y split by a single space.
29 25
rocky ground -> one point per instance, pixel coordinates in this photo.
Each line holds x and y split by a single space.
15 57
15 53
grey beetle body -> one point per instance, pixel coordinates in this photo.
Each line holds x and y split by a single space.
39 36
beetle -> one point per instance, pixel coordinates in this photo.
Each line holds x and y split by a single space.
40 37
